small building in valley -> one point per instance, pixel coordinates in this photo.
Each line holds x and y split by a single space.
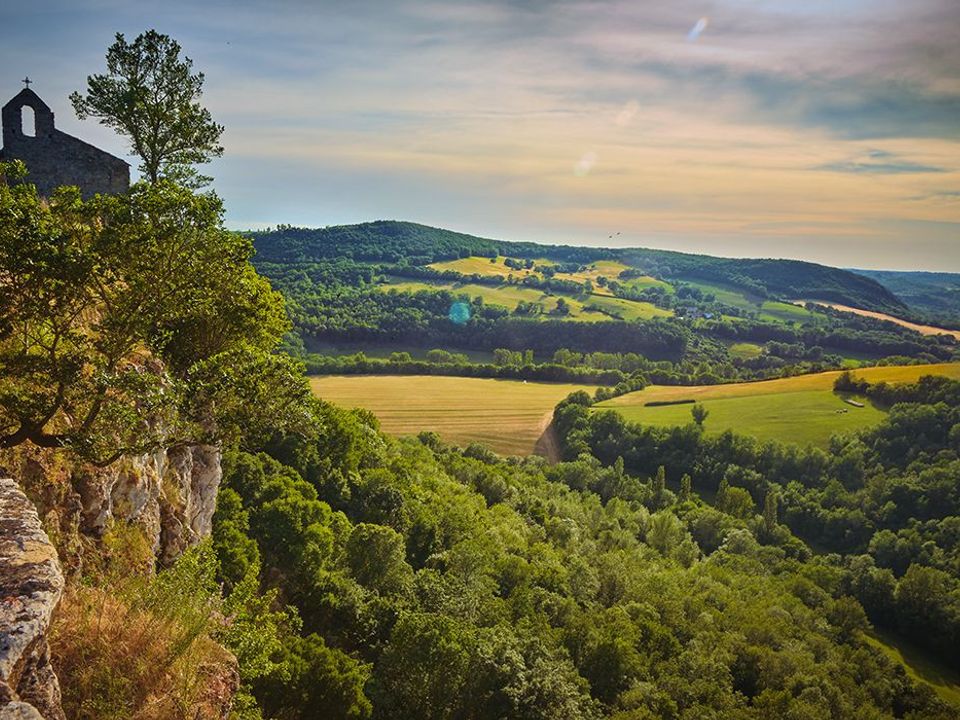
54 158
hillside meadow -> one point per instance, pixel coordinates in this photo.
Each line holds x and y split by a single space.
595 307
802 410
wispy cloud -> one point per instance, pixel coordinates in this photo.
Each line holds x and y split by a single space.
880 162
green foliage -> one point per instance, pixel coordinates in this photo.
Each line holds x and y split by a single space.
316 682
885 499
699 413
150 95
456 584
375 555
135 322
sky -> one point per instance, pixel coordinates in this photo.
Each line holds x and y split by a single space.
824 130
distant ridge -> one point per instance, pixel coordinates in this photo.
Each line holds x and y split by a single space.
390 241
934 295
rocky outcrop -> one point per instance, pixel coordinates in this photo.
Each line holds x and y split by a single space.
169 494
31 584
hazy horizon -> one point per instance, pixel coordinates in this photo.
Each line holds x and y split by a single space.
821 131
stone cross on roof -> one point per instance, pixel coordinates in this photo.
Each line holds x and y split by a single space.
27 82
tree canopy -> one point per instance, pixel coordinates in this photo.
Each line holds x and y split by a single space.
132 322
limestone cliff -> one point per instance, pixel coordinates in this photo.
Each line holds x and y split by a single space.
170 495
31 584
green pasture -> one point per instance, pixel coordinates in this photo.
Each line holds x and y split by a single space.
745 350
804 418
768 310
919 664
802 410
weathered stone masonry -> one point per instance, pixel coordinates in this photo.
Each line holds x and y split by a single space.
54 158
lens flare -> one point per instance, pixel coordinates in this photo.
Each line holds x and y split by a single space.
585 164
697 29
459 313
627 113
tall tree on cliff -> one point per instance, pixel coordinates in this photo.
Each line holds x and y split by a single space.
150 95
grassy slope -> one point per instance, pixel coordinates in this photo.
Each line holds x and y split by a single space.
801 409
508 415
745 350
919 664
482 266
769 310
610 269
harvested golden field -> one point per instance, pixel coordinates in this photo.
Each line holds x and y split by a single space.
922 329
507 415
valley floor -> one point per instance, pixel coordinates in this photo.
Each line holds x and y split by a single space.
512 416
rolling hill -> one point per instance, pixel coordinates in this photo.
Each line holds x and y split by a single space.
416 245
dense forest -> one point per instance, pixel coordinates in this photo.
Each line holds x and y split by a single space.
448 583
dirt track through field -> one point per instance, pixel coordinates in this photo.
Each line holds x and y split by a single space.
547 444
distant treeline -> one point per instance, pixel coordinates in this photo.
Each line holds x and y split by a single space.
860 335
359 364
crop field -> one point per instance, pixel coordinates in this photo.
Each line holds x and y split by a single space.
593 308
802 410
507 415
922 329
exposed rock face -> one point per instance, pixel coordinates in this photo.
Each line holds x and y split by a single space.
31 584
169 494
